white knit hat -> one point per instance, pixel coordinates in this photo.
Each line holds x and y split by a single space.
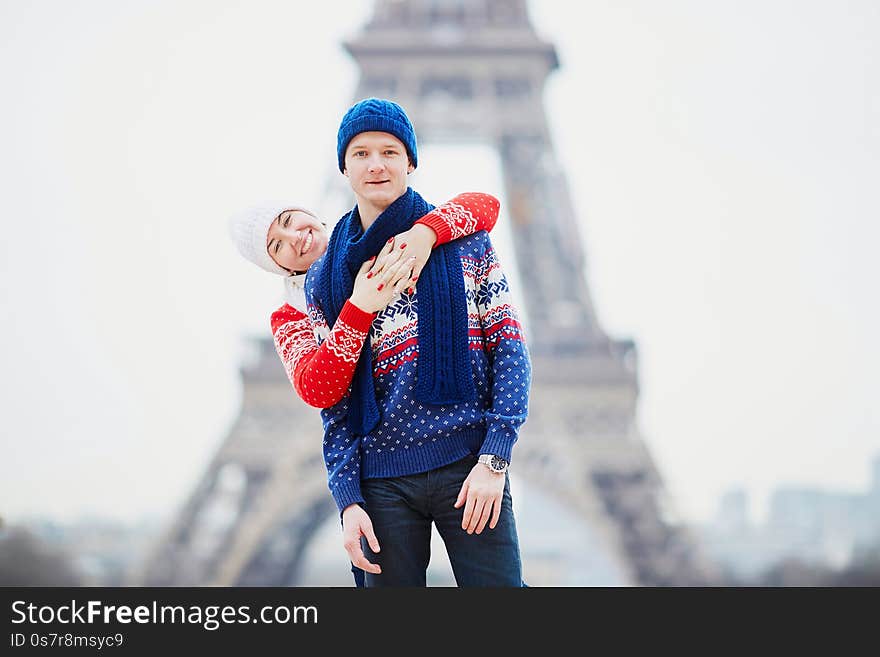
249 228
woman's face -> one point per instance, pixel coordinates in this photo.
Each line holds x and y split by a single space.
296 239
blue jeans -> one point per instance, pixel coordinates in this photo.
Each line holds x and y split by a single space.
402 510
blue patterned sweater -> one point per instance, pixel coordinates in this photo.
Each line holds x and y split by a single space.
414 437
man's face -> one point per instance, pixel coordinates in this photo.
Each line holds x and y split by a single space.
296 239
376 165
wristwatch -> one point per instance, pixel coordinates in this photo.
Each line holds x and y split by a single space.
496 464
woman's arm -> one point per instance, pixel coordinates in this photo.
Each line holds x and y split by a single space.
321 375
463 215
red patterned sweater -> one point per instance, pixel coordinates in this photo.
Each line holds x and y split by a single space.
321 375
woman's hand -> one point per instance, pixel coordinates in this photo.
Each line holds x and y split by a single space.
373 291
417 241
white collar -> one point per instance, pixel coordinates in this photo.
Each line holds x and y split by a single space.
294 291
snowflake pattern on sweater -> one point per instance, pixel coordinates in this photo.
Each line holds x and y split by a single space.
416 437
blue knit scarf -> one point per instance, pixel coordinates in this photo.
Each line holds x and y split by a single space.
444 375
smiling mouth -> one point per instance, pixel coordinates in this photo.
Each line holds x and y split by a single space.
308 243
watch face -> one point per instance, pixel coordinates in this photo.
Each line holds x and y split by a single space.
498 463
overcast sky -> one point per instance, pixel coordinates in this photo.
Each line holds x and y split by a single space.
724 159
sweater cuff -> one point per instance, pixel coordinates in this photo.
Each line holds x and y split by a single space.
436 223
346 494
499 443
356 318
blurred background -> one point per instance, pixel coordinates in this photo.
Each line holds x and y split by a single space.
722 162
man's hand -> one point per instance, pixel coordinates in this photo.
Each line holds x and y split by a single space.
481 495
356 523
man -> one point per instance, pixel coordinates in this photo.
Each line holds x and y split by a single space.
441 386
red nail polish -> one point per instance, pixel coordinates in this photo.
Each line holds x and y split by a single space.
403 246
415 279
381 285
373 258
370 275
389 241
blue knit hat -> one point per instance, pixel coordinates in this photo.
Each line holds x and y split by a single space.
380 115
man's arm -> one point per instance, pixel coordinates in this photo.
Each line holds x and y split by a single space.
508 357
341 456
342 459
341 449
482 491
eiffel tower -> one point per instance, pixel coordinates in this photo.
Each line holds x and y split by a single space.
464 71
